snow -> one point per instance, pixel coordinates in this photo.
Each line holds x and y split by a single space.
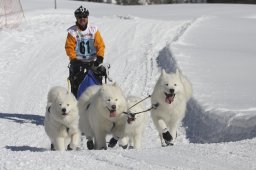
212 44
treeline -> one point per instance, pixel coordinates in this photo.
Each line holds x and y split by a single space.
143 2
233 1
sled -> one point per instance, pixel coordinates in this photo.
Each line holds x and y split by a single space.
90 78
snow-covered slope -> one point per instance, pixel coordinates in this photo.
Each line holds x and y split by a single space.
213 45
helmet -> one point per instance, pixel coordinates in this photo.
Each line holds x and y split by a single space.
81 11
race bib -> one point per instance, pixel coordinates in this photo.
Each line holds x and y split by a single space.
85 48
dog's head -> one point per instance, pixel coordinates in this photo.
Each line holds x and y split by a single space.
113 100
65 105
170 85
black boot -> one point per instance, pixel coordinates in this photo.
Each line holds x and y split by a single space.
167 138
124 146
112 143
69 148
131 147
90 145
52 147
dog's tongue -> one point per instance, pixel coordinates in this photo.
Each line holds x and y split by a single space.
169 98
113 113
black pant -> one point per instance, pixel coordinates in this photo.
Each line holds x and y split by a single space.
77 72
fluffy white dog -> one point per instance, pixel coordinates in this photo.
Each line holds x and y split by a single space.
61 119
170 96
135 124
101 112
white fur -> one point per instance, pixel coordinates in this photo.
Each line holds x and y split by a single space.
168 116
95 118
62 114
134 130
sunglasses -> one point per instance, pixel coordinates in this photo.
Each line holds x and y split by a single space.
83 16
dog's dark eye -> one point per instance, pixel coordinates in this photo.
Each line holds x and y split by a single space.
116 99
175 84
60 104
108 100
167 84
67 104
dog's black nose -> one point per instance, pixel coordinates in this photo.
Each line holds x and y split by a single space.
63 110
171 90
113 107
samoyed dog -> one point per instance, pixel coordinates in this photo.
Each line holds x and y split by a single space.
135 124
61 119
170 97
101 112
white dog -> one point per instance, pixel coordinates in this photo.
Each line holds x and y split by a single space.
170 96
61 120
135 124
101 112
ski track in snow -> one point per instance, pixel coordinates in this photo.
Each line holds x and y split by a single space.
27 54
126 71
201 124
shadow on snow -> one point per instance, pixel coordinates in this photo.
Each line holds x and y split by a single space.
25 148
23 118
211 126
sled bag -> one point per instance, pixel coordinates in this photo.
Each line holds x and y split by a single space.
89 80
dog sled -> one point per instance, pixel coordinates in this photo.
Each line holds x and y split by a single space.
91 79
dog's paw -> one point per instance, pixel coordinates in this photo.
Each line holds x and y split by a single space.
90 145
69 148
78 149
112 143
124 146
167 137
167 144
131 147
103 148
170 144
52 147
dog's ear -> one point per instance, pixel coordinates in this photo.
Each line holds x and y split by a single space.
103 86
48 106
177 71
163 73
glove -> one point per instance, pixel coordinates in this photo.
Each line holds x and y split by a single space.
73 61
98 61
101 70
